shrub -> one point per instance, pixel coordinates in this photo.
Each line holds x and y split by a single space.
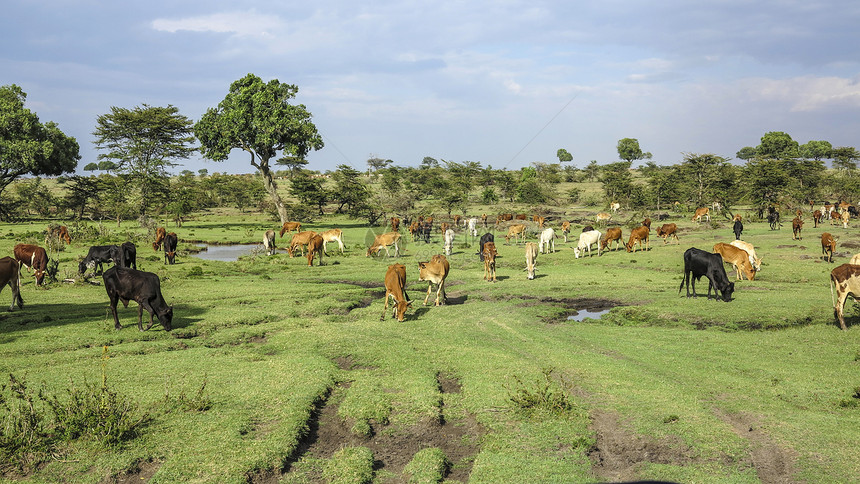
545 394
24 441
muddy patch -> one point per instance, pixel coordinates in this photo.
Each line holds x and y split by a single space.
772 463
348 363
575 309
364 284
142 472
850 244
786 246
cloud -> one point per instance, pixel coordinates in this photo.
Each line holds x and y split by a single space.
242 24
808 93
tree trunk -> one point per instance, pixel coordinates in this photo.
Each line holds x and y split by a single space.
272 188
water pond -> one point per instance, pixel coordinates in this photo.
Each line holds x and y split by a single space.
227 253
593 313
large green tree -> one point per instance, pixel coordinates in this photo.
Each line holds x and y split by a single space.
257 117
777 145
629 150
28 147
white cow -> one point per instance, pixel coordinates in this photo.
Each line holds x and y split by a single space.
585 241
269 242
754 260
449 241
333 235
473 226
547 241
531 258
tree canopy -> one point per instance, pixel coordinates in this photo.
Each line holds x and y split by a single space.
628 150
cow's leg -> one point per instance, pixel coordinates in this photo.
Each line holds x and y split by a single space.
427 297
140 318
396 249
113 301
441 292
841 298
385 309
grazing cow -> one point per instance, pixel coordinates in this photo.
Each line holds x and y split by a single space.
816 217
773 219
300 240
614 206
489 253
828 246
602 218
315 246
395 288
565 229
129 255
613 234
99 254
269 242
488 237
449 241
473 227
516 231
666 231
382 241
504 217
425 231
124 284
395 224
547 240
290 226
638 235
845 217
738 229
701 212
60 232
531 259
521 216
434 272
414 229
170 241
755 262
738 258
160 233
10 275
34 258
647 223
484 219
853 211
698 263
443 227
541 221
586 239
796 228
457 219
846 279
333 235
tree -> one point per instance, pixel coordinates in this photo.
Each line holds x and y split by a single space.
767 181
143 142
29 147
816 150
745 153
374 163
617 181
628 150
350 191
93 166
592 170
709 178
293 163
845 159
563 155
257 117
777 145
309 190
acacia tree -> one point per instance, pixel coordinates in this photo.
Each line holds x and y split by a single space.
257 117
629 150
29 147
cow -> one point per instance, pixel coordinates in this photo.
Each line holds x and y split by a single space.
160 233
414 229
602 218
737 218
382 241
698 263
10 275
449 241
717 207
300 240
434 272
547 241
99 254
395 224
443 227
647 223
738 229
614 206
425 231
290 226
828 245
125 284
613 234
846 280
516 231
539 220
586 239
473 227
34 258
489 257
638 235
269 242
484 219
395 288
457 219
488 237
796 228
587 228
531 259
504 217
666 231
701 212
755 262
315 246
521 216
845 217
129 255
60 232
738 258
816 217
773 219
170 241
565 229
332 235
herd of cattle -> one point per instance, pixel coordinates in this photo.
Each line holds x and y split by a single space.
124 282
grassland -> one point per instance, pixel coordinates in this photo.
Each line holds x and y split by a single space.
308 385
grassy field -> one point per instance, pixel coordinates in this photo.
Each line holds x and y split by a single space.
276 371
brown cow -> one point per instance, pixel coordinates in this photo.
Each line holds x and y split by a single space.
796 228
539 220
516 231
531 259
300 240
395 224
34 258
332 235
565 229
701 212
816 217
382 241
603 218
504 217
638 235
434 272
490 261
828 244
444 226
315 246
60 232
845 217
521 216
750 249
484 220
457 219
737 218
738 258
9 274
414 229
666 231
160 233
290 226
613 234
846 279
395 288
647 223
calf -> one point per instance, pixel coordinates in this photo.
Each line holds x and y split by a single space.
489 257
700 213
828 246
60 232
10 275
773 220
300 240
160 233
738 229
516 231
333 235
269 242
666 231
796 227
99 254
484 220
614 206
449 241
547 241
488 237
586 239
698 263
382 241
315 246
755 262
602 218
816 218
612 235
395 288
124 284
738 258
290 226
565 229
170 241
425 230
531 259
434 272
473 227
638 235
846 279
34 258
395 224
129 255
845 217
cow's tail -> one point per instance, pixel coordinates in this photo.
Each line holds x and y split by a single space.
832 296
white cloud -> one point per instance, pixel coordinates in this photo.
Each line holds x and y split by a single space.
808 93
243 24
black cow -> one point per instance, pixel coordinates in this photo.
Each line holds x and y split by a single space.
425 230
129 255
773 218
100 254
698 263
170 241
852 210
124 284
488 237
738 229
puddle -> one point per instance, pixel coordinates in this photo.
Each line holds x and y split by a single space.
228 253
587 313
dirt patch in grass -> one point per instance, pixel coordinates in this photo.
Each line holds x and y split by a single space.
772 463
348 363
850 244
142 472
571 306
364 284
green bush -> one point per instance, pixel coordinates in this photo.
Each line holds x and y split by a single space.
545 394
24 440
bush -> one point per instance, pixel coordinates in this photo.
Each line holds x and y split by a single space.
24 441
546 394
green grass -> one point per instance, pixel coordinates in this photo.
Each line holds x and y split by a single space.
264 334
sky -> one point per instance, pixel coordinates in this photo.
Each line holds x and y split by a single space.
505 83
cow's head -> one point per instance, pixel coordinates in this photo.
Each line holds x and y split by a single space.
400 309
40 276
82 266
727 292
165 317
577 252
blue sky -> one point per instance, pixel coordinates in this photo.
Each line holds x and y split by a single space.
501 82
